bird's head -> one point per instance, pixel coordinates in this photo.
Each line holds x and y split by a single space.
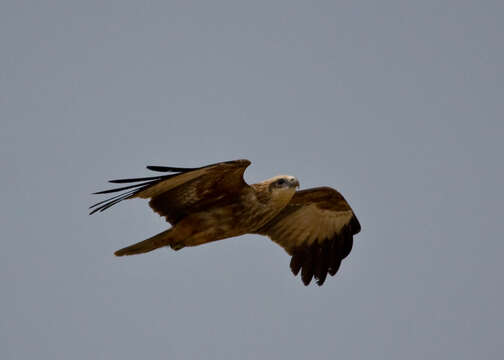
282 187
283 182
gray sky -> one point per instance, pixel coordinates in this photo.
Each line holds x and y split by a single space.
398 104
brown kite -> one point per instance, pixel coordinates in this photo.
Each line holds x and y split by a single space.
213 202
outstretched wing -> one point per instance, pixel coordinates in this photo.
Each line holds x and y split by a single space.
316 229
186 190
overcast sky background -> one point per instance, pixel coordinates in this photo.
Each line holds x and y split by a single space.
398 104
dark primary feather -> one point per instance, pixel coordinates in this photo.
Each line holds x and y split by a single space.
120 181
121 188
110 201
170 169
151 180
105 204
183 169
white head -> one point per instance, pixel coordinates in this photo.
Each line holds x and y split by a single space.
282 188
283 182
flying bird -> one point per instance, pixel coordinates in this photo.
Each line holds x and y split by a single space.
213 202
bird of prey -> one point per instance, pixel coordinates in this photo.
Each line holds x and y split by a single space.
213 202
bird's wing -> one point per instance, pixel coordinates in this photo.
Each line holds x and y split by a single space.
184 191
316 229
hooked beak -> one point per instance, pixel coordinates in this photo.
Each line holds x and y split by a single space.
294 182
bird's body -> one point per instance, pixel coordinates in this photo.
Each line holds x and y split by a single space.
214 202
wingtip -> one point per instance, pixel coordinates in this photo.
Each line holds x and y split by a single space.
306 281
355 225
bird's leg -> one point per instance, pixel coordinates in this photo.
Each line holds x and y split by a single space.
180 233
177 246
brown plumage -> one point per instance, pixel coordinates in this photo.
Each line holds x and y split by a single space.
209 203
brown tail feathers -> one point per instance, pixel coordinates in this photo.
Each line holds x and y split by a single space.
153 243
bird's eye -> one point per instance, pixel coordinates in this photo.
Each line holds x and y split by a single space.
281 181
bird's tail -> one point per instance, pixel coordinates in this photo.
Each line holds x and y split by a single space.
157 241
